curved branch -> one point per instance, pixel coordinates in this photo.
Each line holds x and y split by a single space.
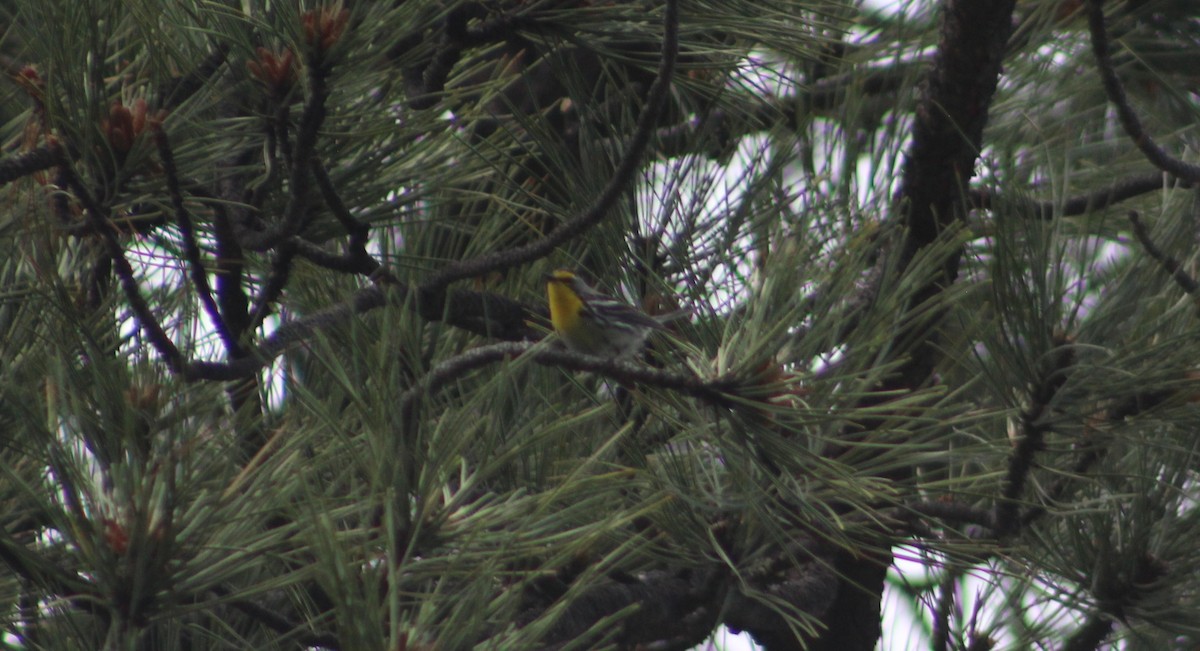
191 249
1169 264
1059 362
1116 94
98 215
711 391
622 177
1080 204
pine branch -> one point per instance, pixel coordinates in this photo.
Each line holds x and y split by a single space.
1081 204
943 610
1169 264
1116 94
1091 635
1033 429
711 391
147 321
618 184
191 249
478 312
23 165
279 623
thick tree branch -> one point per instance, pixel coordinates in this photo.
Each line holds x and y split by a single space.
481 313
947 138
22 165
951 115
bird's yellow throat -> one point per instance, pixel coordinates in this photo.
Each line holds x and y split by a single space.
564 305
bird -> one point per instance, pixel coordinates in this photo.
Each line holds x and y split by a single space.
592 323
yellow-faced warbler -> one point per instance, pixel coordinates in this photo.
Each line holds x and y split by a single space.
592 323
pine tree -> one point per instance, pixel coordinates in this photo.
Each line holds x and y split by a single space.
276 370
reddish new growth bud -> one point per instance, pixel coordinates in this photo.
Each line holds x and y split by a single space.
36 127
116 536
276 72
1067 8
144 397
785 387
1192 396
777 389
31 82
323 27
124 125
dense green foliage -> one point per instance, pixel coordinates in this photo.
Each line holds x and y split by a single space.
273 371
